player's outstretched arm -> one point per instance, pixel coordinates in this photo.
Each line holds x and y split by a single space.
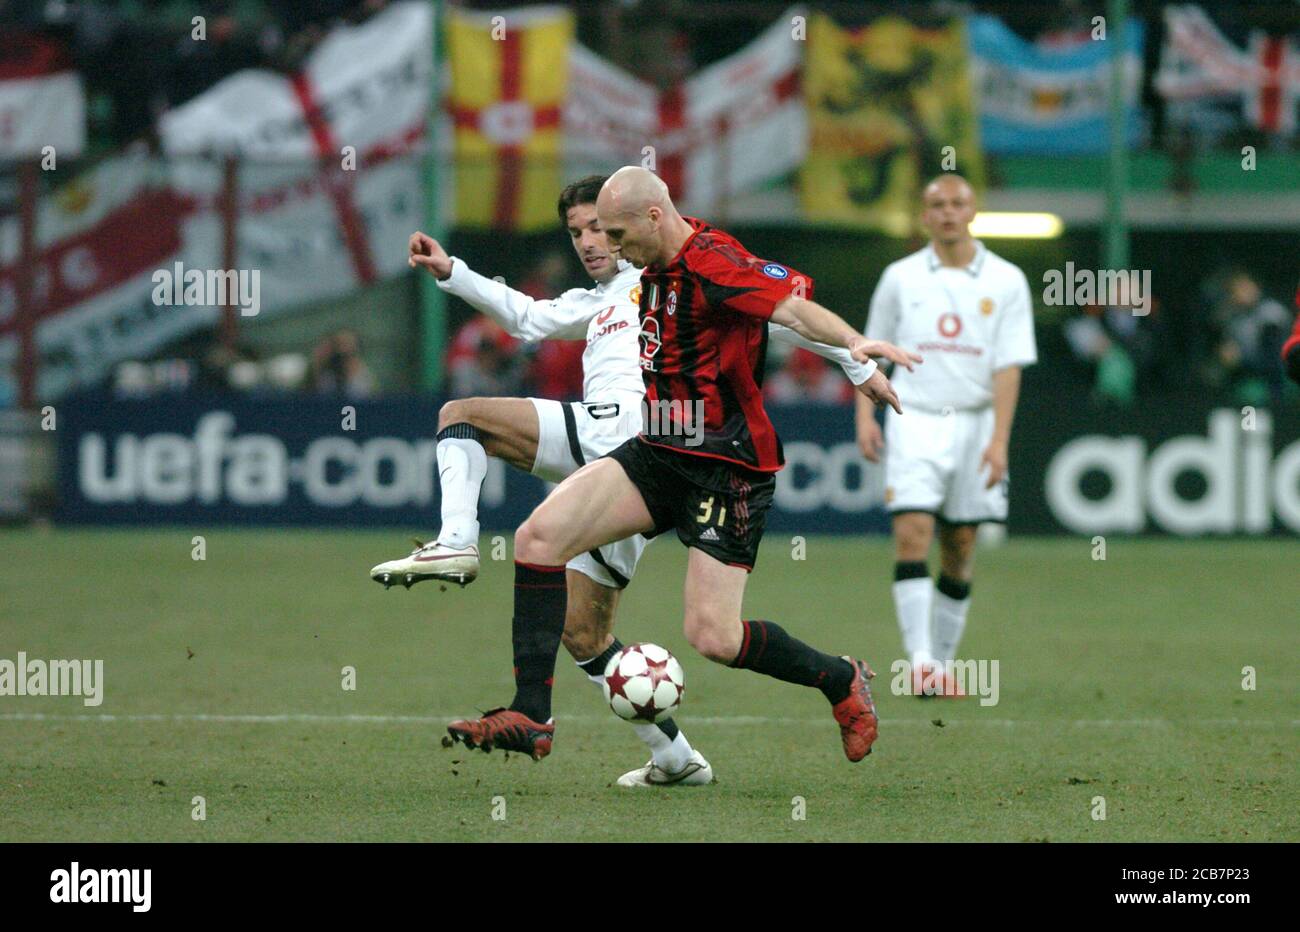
519 315
814 322
871 384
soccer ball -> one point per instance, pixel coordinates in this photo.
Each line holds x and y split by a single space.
644 683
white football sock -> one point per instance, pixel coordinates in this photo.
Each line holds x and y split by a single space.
462 466
670 754
949 623
912 600
676 755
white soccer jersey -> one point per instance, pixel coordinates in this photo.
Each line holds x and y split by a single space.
967 323
609 317
606 315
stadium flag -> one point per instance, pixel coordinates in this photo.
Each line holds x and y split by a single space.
42 100
101 237
330 163
509 78
884 101
1201 67
731 128
1049 101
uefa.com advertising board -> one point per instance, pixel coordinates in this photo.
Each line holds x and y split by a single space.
291 461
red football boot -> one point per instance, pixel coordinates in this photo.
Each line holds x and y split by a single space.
505 729
856 714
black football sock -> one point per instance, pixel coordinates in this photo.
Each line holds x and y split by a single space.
953 588
767 648
540 603
595 668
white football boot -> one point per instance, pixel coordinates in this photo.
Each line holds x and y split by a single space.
697 772
430 561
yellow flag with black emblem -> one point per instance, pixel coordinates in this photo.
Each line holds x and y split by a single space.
885 103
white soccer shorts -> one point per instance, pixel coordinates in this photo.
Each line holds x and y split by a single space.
932 464
570 435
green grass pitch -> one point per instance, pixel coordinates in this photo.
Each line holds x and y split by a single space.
1119 679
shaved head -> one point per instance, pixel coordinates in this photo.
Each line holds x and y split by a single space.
632 189
949 183
637 213
947 209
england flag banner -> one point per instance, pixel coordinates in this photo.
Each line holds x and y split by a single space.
329 166
728 129
1202 71
100 238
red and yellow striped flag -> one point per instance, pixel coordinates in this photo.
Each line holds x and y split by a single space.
509 76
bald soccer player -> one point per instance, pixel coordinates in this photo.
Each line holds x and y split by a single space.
552 440
969 312
704 307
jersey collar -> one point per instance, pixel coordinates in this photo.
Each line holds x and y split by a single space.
697 226
932 259
622 267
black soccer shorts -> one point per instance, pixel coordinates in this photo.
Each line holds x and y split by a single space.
715 506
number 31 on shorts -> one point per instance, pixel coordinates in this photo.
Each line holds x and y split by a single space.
706 512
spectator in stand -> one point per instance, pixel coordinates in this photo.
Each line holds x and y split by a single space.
337 367
222 368
1116 346
484 360
805 377
1249 329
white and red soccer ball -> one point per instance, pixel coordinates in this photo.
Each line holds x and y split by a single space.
644 683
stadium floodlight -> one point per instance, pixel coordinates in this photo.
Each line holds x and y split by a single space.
1014 225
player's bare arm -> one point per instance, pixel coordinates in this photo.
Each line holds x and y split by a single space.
813 322
871 439
1006 392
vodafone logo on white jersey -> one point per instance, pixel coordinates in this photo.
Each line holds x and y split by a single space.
1246 486
605 328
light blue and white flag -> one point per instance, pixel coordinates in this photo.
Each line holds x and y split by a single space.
1050 101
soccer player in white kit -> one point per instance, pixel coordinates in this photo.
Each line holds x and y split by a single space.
551 439
968 311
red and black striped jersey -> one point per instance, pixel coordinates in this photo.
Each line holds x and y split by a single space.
703 345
